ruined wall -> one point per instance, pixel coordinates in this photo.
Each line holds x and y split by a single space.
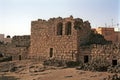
101 53
18 49
21 41
1 37
85 51
106 52
5 40
58 37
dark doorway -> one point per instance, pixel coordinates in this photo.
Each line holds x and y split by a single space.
19 57
114 62
86 59
1 55
51 52
11 58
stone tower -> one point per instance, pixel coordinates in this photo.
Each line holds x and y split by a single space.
58 37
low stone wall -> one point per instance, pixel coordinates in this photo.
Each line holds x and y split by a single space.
57 56
101 58
106 53
17 53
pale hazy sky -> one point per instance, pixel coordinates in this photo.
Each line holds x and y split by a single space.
16 15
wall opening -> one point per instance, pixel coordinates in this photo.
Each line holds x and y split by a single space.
11 58
68 28
1 55
114 62
51 52
86 59
59 28
19 57
72 56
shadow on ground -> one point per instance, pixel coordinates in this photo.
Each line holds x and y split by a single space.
8 78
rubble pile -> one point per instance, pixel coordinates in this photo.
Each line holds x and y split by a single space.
36 68
12 66
93 67
114 69
112 77
54 62
21 66
99 66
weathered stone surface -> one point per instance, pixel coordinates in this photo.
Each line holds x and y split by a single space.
58 37
101 58
36 68
18 48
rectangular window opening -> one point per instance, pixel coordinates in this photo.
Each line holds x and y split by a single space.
51 52
114 62
86 59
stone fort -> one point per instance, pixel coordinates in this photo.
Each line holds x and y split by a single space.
61 39
58 38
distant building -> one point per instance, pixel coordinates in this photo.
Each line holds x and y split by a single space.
117 36
8 39
1 37
109 34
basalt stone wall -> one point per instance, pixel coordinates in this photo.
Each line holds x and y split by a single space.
21 41
17 53
58 37
18 49
109 53
101 54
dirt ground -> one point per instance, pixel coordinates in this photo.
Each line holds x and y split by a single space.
27 70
